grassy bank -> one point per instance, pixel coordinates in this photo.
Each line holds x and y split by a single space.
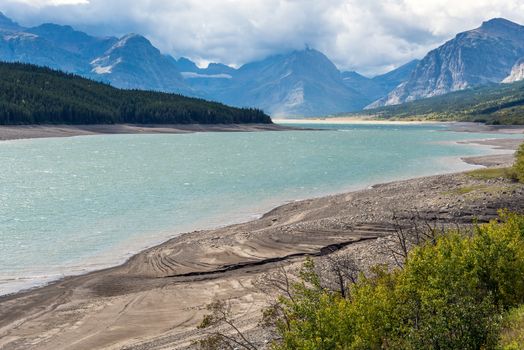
493 104
516 172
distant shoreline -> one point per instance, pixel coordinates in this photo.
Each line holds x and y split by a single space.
350 120
453 126
16 132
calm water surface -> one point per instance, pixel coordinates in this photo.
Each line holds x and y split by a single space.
71 205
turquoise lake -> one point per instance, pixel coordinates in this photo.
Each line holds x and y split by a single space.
72 205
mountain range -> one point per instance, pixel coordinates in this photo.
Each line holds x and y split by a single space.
298 83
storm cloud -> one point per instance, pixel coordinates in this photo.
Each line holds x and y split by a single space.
370 36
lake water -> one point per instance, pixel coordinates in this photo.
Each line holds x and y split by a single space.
71 205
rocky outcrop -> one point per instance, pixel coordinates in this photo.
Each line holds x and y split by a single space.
517 72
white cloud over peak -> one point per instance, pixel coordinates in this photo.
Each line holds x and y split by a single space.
368 36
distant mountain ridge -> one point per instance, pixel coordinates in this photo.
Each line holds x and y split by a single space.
71 40
130 62
380 85
8 24
133 62
477 57
297 83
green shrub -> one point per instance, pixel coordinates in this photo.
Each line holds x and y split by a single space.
518 167
512 336
451 294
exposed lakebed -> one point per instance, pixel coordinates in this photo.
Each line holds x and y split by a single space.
71 205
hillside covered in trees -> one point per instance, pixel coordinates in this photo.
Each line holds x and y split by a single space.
494 104
35 95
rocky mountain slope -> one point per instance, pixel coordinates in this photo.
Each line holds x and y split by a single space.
134 63
517 72
394 78
302 82
473 58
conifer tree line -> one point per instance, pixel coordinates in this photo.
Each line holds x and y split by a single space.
36 95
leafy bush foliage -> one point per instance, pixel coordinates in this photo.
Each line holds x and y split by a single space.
36 95
451 294
513 330
518 167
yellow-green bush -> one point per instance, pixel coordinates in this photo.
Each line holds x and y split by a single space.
451 294
513 330
518 168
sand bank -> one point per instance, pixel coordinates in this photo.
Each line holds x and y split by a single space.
42 131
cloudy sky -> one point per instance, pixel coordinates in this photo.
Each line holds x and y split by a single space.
370 36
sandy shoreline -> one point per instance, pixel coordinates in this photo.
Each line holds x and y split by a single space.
351 120
508 146
44 131
453 126
156 299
